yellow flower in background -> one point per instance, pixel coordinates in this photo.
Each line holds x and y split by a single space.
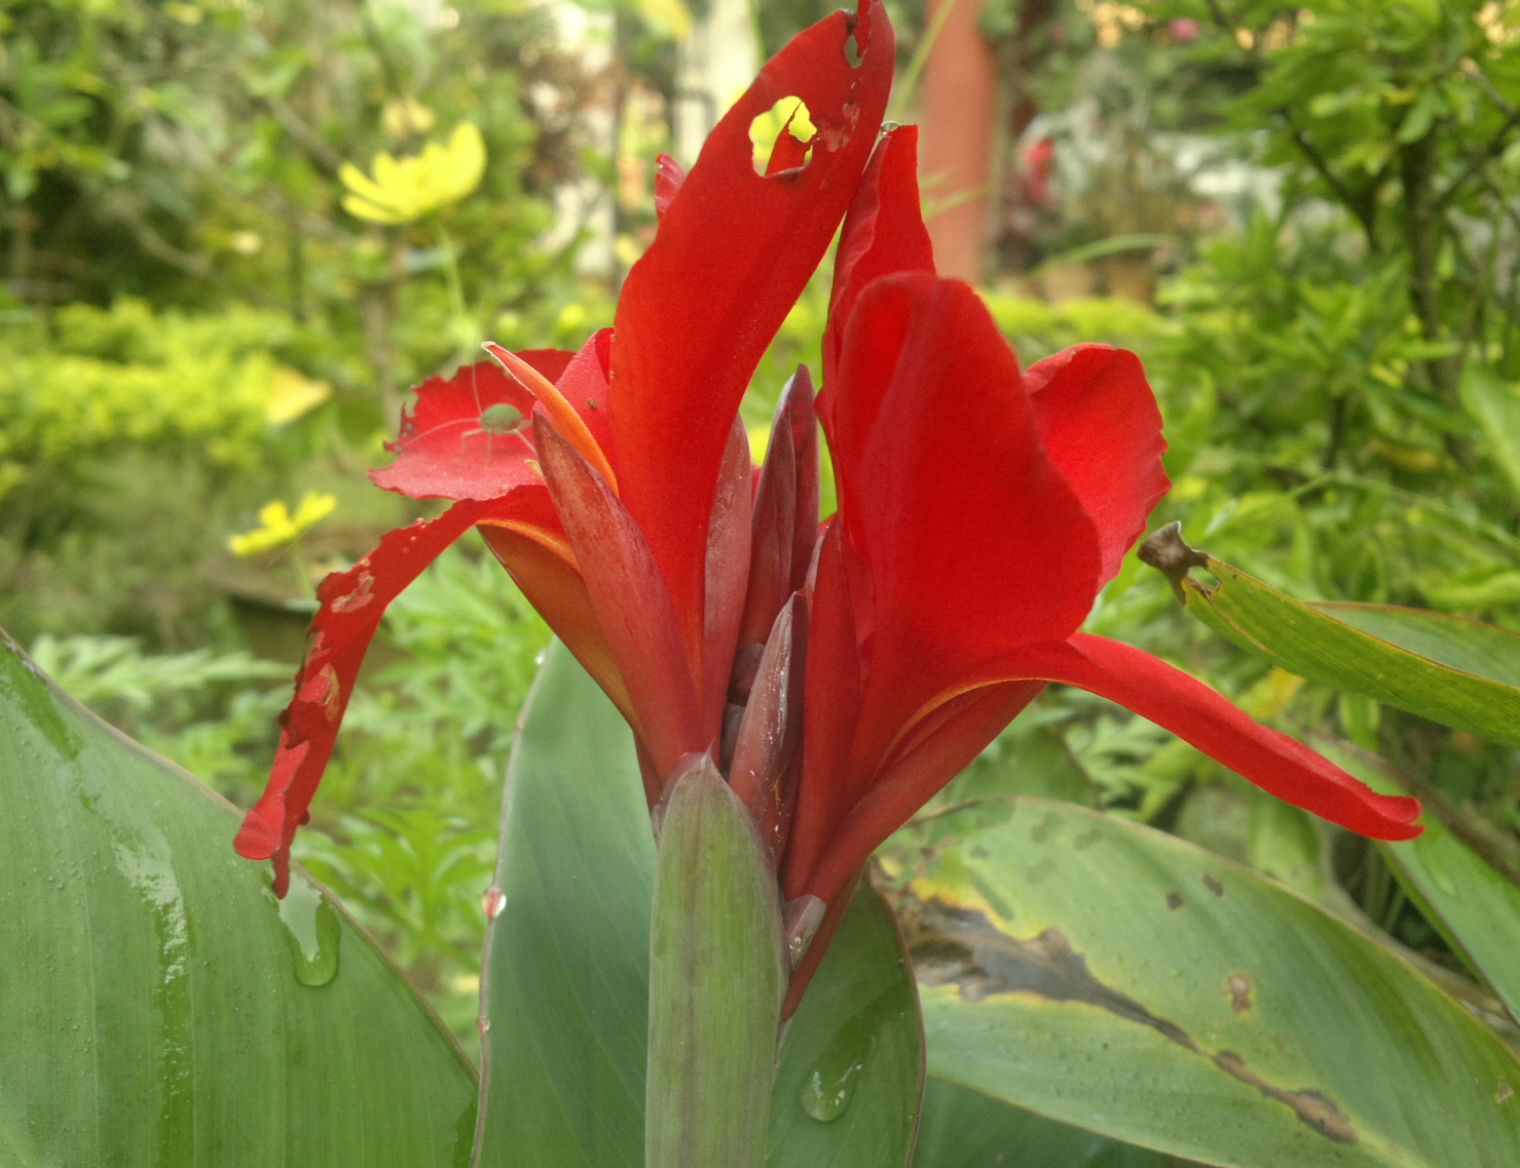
671 17
278 527
759 442
293 394
403 190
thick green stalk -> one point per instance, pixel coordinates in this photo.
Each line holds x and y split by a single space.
716 983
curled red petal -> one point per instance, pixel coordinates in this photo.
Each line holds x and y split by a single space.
585 382
1191 710
732 253
883 234
971 542
352 604
1102 429
632 605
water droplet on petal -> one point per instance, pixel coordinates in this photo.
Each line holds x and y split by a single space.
493 902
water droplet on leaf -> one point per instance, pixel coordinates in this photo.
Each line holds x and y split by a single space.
830 1085
313 931
826 1095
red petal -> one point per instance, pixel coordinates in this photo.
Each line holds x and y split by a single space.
632 605
445 449
728 551
769 734
352 604
972 544
832 703
883 234
731 256
585 382
532 546
785 511
1191 710
1101 428
954 734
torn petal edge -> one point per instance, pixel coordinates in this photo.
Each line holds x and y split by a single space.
353 603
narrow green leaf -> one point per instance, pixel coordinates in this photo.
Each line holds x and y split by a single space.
965 1129
1476 908
1119 979
715 982
1468 646
159 1007
1330 645
852 1065
565 986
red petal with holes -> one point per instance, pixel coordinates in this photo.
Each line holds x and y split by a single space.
352 604
733 251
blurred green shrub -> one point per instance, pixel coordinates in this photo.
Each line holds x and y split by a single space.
204 388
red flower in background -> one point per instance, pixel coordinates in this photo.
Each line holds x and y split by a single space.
840 674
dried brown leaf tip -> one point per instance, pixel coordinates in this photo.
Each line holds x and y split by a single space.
1167 552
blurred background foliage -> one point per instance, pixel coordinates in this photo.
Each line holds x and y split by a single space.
1306 219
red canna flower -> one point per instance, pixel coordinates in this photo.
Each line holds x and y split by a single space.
615 484
839 674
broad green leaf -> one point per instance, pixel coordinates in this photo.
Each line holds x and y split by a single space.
1476 908
1447 669
852 1066
1112 977
965 1129
159 1006
566 982
715 982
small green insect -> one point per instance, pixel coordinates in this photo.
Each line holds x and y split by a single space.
496 421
